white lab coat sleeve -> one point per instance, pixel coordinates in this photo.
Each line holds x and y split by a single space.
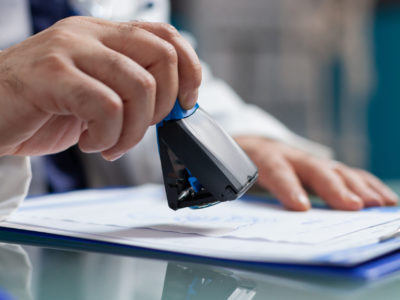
15 176
240 118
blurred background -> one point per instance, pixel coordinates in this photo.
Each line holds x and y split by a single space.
329 69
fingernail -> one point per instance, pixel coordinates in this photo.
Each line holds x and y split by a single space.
189 99
113 157
373 199
303 199
394 198
375 202
355 202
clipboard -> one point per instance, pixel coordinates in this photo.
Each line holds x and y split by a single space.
386 259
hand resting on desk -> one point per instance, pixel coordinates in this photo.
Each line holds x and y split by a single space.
286 172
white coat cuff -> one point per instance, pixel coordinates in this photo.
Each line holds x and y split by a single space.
15 176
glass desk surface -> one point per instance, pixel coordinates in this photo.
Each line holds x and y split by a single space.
36 272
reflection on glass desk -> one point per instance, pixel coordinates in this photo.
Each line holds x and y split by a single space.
28 272
40 273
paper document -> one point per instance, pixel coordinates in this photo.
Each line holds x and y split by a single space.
241 229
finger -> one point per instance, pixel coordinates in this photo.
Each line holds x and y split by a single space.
189 64
359 186
278 176
156 55
327 184
135 86
88 99
57 134
389 197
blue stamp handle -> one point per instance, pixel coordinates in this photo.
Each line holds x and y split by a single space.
178 113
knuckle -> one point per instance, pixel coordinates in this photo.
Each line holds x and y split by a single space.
64 21
71 20
110 105
339 167
147 83
60 37
315 171
126 27
169 53
52 62
79 93
194 77
365 174
115 61
196 74
78 98
274 164
170 31
312 163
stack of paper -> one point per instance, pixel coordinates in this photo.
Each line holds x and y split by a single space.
243 230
